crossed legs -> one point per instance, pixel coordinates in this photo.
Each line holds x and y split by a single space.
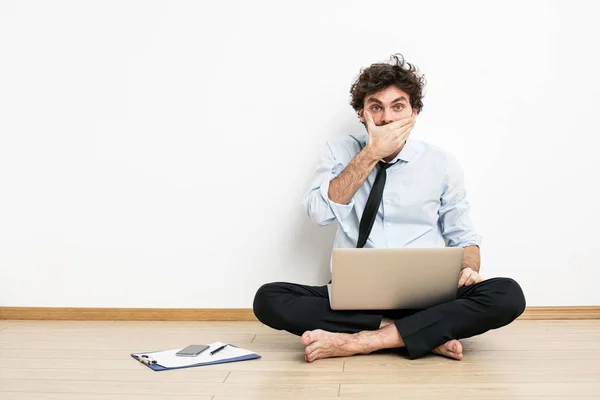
304 311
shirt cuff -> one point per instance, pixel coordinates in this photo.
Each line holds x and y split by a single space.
474 241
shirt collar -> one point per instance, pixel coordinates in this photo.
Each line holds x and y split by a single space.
407 153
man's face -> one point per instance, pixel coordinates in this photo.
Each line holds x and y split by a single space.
388 105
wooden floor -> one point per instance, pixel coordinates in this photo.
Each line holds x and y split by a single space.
90 360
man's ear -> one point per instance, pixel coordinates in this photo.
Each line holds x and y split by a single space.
414 112
361 116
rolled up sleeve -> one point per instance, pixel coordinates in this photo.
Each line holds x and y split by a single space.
319 207
457 227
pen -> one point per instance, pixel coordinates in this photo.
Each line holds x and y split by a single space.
217 350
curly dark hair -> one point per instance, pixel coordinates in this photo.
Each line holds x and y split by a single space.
405 76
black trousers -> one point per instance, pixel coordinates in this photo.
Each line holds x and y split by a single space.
478 308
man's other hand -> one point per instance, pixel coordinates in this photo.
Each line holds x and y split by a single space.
469 277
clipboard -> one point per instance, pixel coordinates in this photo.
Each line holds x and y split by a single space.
167 360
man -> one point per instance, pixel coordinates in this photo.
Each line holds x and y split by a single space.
423 204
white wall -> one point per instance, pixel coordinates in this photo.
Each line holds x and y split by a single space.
155 154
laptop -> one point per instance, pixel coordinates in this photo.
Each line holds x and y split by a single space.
394 279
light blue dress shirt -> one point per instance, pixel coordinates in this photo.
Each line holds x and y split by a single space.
424 200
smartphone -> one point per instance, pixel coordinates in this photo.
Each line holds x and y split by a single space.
192 350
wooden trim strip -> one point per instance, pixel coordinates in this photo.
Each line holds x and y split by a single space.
567 312
128 314
226 314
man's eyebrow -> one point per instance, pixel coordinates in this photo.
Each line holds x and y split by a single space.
400 99
374 100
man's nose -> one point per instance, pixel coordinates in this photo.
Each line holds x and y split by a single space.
387 117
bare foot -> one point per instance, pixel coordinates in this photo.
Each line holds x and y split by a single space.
452 349
322 344
385 322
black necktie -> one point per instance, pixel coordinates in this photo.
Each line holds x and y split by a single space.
370 212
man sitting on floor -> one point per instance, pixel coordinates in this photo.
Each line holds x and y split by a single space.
423 205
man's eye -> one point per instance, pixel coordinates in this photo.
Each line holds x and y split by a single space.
398 107
376 108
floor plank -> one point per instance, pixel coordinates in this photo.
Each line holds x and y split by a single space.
167 388
92 396
558 360
472 391
142 374
87 354
127 363
422 375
